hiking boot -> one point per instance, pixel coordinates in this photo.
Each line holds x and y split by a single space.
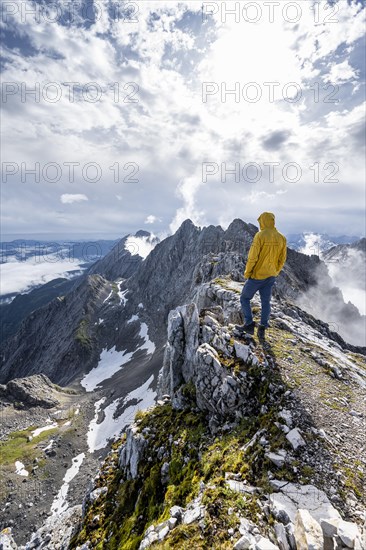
249 329
261 331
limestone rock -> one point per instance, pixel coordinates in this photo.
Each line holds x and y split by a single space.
57 531
308 533
295 438
281 536
245 542
265 544
6 540
291 497
348 532
132 452
278 459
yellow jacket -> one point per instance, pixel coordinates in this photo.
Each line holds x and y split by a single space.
267 255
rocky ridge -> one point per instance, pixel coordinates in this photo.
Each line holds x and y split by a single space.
203 269
233 456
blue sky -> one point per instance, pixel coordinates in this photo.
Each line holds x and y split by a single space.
162 141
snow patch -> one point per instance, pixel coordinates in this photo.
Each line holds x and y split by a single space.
20 469
49 446
60 504
110 362
110 427
121 294
133 318
109 295
148 344
44 429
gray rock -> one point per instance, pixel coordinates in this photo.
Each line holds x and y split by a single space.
348 533
192 515
329 526
6 540
94 495
241 487
172 522
241 350
245 542
293 496
57 531
286 416
176 512
277 459
34 391
295 438
132 452
281 536
265 544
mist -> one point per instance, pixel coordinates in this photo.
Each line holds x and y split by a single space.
339 296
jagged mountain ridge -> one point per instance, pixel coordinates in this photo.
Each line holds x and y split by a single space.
217 288
241 450
64 339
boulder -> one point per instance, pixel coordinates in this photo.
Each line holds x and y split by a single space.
295 438
281 536
308 533
284 504
348 533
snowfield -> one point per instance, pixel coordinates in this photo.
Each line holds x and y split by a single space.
110 427
110 362
60 503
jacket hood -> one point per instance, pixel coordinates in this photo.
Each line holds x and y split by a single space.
266 220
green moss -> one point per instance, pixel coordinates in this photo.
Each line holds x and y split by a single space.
82 334
17 447
189 391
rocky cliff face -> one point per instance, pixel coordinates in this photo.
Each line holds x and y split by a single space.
57 338
242 448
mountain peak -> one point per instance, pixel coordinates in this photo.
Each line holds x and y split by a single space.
142 233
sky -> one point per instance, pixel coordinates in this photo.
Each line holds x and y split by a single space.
119 116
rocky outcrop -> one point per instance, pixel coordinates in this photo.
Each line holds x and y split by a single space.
33 391
192 360
132 452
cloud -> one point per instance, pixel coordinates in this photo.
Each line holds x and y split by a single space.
23 276
275 140
149 153
69 199
341 72
152 219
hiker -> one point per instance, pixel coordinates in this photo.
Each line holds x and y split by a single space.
266 258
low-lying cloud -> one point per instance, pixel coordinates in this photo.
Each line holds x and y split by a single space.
22 276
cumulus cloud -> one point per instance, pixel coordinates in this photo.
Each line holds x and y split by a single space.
152 219
341 72
67 198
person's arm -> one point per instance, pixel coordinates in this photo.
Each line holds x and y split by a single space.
252 256
282 257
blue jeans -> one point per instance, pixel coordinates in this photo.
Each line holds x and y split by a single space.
264 286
